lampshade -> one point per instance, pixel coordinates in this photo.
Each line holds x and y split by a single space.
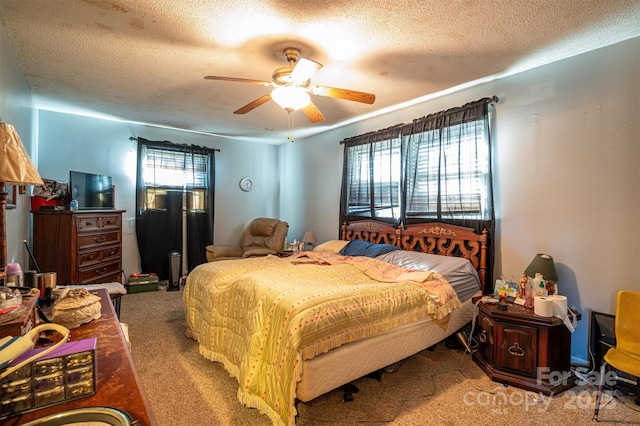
309 237
290 98
16 167
544 265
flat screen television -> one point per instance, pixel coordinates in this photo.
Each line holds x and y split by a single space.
92 191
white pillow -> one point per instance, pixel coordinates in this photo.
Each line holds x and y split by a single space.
331 246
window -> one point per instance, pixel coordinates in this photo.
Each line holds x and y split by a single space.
438 167
167 171
174 203
450 176
374 188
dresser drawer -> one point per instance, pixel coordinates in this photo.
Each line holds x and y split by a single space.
88 223
112 253
111 221
107 278
99 222
102 272
97 256
90 241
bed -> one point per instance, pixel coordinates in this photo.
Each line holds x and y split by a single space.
293 328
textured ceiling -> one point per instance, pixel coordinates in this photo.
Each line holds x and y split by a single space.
144 60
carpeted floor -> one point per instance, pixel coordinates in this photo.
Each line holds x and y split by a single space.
441 387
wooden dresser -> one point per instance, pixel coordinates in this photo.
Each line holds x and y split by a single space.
82 247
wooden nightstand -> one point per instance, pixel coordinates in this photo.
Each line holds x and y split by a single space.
523 349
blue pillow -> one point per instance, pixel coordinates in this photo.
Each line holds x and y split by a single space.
355 248
365 248
378 249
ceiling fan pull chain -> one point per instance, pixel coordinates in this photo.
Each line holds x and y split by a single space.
290 125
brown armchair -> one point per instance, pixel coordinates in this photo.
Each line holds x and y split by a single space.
260 237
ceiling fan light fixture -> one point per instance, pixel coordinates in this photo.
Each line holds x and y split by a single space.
290 98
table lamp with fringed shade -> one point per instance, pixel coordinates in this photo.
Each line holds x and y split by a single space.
16 168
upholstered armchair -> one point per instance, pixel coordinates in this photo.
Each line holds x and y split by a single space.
260 237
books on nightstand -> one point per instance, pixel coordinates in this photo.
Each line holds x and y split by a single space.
137 283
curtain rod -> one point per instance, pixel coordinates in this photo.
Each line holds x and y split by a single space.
491 100
139 139
374 132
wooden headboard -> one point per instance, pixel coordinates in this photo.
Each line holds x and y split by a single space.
430 237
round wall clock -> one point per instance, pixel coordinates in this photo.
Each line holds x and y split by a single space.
246 184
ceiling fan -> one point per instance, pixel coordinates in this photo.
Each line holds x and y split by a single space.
292 85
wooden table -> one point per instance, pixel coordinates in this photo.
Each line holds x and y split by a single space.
118 383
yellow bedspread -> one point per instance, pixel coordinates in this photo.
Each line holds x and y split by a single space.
260 317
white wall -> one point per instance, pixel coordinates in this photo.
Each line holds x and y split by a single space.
567 175
71 142
16 108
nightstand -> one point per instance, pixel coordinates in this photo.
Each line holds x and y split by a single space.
522 349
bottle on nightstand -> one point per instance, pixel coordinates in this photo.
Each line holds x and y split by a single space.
529 294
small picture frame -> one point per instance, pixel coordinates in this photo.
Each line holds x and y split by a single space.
11 196
506 289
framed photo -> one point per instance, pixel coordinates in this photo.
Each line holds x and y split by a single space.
11 196
505 288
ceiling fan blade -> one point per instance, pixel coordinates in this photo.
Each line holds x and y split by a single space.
252 105
313 113
349 95
304 69
238 80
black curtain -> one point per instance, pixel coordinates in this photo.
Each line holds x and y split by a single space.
160 202
432 164
367 192
159 232
445 130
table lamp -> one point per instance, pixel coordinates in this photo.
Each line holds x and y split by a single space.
543 264
309 238
16 168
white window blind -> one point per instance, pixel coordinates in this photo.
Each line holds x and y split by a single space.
438 167
175 169
451 175
167 170
374 188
